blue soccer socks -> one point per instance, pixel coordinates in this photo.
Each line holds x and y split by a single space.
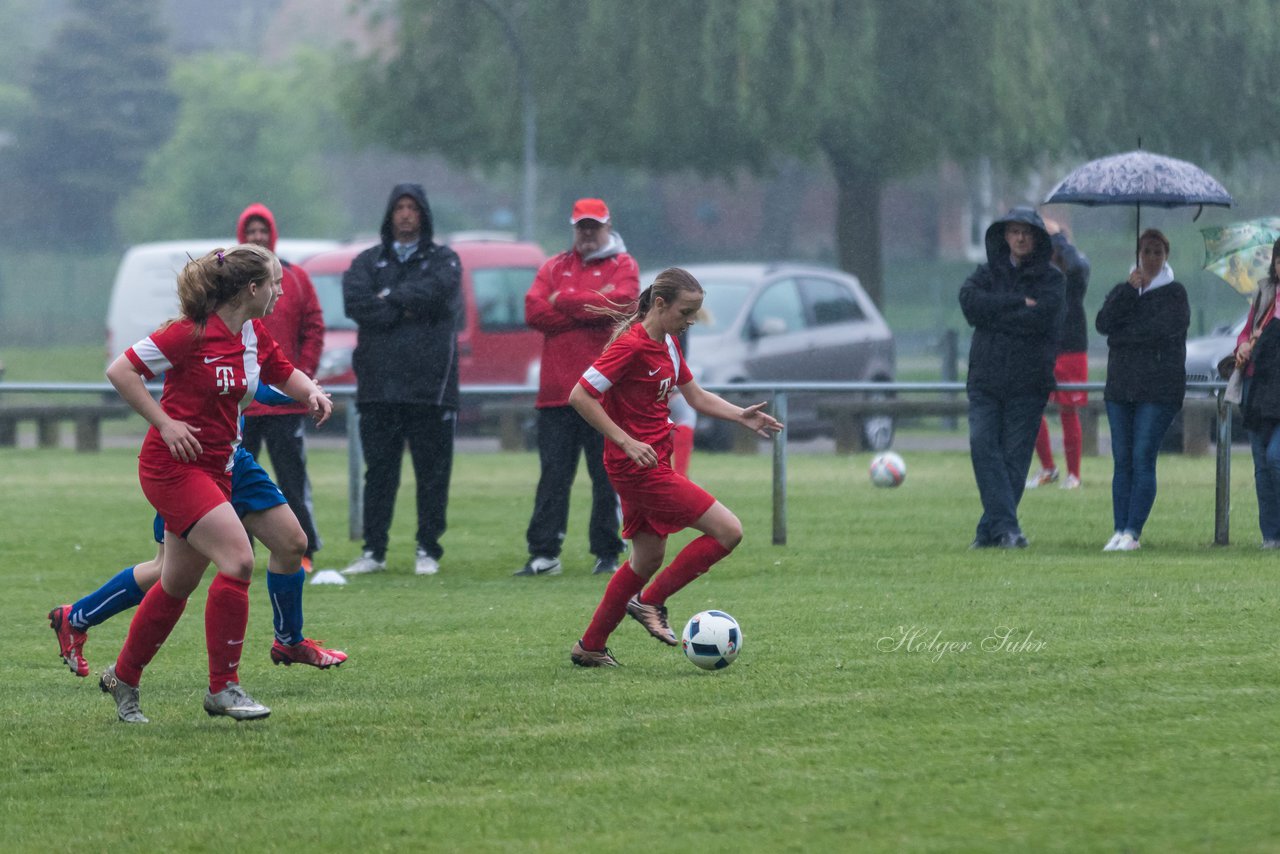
119 594
286 605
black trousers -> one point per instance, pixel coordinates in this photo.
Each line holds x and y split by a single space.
385 429
562 436
287 446
1002 438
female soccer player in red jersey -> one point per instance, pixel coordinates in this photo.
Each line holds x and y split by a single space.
213 357
625 395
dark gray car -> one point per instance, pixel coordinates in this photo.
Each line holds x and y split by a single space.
788 322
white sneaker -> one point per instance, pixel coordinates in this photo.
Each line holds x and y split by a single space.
1045 476
1128 544
425 564
1113 542
365 564
1072 482
538 565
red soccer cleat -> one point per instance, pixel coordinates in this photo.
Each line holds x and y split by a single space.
306 564
307 651
70 641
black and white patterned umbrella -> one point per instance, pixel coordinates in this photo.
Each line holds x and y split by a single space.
1140 178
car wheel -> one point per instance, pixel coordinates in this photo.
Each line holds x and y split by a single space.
877 428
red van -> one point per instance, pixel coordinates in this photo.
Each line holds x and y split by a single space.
495 347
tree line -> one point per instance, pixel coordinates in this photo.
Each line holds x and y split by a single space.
114 132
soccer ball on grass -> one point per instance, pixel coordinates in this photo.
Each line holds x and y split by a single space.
711 640
888 469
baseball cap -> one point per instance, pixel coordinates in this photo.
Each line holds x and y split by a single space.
589 209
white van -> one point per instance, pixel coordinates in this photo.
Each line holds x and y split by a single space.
145 292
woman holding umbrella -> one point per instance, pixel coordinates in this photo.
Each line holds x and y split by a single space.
1145 319
1258 355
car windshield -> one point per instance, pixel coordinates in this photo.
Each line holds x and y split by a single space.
723 300
329 290
499 293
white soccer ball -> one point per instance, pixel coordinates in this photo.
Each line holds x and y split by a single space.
888 469
711 640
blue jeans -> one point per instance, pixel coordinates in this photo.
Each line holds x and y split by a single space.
1266 478
1002 438
1137 429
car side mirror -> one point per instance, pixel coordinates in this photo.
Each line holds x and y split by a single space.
770 326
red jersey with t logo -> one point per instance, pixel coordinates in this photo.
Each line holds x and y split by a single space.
210 376
633 380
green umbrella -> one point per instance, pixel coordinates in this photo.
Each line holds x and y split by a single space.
1240 253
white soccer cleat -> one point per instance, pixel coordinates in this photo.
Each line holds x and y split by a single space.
233 702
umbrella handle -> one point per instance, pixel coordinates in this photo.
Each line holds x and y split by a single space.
1199 211
1137 227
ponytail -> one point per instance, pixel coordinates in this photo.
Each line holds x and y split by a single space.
213 280
668 285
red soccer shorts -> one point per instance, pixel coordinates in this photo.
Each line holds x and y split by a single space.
658 501
182 493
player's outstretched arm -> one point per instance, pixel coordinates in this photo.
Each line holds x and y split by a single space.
753 417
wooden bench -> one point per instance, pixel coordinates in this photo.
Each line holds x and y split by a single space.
1198 414
86 417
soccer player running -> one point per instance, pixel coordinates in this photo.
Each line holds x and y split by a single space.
625 396
267 516
213 357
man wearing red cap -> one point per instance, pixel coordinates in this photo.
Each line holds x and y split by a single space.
596 272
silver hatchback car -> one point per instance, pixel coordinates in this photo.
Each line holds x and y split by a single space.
788 322
1203 355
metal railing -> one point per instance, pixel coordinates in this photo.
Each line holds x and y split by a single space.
778 392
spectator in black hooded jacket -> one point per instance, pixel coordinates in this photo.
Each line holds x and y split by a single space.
405 295
1015 304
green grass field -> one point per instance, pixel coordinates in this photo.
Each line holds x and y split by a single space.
1053 699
